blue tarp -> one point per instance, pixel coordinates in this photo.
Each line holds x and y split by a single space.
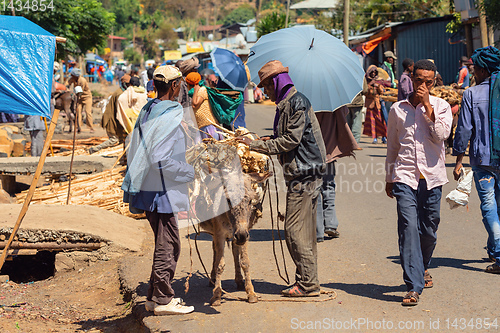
26 67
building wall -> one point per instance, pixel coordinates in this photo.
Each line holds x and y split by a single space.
429 40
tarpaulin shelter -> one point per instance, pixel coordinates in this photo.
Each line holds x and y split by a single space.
26 67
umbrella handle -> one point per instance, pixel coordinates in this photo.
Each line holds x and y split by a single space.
312 42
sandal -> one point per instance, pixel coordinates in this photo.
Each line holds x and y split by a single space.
412 296
493 269
428 280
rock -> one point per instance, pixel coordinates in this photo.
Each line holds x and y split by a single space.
64 263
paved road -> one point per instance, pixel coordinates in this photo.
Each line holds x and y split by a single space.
362 267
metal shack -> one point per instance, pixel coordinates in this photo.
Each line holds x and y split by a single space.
420 39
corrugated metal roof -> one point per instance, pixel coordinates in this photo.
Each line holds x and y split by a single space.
316 4
429 40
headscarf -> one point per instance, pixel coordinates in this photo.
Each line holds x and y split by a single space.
487 58
282 85
370 70
193 78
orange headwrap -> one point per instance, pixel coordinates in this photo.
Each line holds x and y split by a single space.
193 78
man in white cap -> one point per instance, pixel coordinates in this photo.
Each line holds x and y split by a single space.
156 183
84 98
388 66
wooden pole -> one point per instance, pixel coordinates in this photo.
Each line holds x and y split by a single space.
32 188
72 155
287 13
468 39
47 129
482 25
346 22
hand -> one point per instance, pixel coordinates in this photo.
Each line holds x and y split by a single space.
244 139
388 189
265 138
423 95
457 172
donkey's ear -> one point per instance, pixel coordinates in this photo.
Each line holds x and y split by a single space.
260 177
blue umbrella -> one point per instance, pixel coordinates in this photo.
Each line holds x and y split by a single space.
321 66
230 68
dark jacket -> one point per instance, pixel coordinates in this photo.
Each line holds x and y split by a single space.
299 143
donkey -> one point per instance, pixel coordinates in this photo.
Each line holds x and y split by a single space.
238 205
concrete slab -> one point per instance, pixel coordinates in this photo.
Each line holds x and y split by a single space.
120 230
56 164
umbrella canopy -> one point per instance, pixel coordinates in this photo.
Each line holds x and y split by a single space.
26 67
230 68
321 66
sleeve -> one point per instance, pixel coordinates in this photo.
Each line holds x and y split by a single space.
203 93
172 166
463 132
440 128
461 76
393 144
286 142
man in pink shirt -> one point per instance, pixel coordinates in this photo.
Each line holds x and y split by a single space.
415 173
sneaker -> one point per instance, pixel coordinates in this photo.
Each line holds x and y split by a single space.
296 291
320 240
150 305
375 140
384 140
332 233
172 308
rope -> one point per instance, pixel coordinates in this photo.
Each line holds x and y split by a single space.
280 216
332 294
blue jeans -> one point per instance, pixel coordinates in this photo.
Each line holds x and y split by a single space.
418 220
487 181
326 216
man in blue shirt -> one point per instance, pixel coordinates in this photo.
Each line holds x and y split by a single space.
156 183
474 125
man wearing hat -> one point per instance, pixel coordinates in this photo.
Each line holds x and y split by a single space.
186 67
301 151
156 183
388 66
478 123
84 98
114 130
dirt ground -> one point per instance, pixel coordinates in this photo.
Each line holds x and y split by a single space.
84 300
87 300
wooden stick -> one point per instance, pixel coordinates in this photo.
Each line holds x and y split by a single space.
72 156
47 129
31 191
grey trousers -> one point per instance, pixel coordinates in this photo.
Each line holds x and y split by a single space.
354 118
300 231
166 255
110 142
37 141
326 216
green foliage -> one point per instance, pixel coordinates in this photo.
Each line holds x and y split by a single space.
271 23
240 15
132 56
84 23
455 24
126 11
492 10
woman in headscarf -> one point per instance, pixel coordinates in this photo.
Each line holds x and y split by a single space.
374 125
202 110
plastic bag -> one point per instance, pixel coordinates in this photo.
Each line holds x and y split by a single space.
460 196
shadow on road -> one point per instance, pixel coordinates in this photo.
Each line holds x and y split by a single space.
447 262
370 290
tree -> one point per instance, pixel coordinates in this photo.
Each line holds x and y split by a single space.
132 56
84 23
492 10
240 15
271 23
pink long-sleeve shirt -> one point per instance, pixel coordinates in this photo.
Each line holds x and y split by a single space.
415 144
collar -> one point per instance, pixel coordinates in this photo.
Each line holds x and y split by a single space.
281 105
